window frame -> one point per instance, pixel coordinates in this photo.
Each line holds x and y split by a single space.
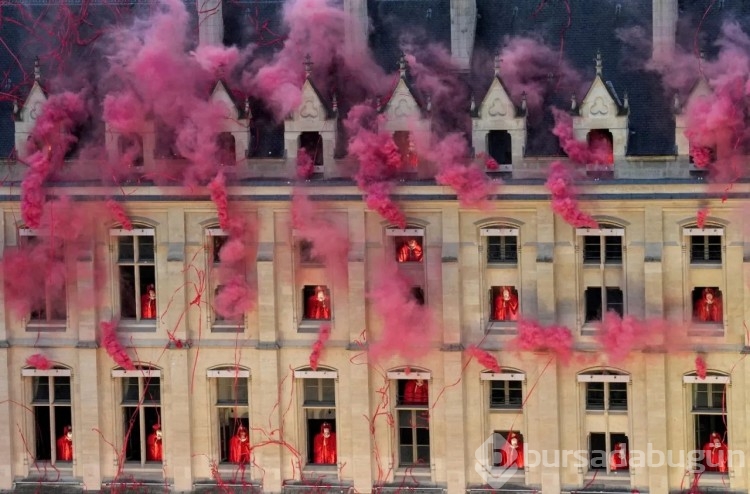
502 232
506 377
604 302
144 375
31 375
213 266
602 233
115 234
239 377
308 408
416 413
396 235
610 438
716 413
706 233
49 323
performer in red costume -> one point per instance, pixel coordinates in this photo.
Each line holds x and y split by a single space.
618 458
415 392
410 251
239 446
148 303
411 158
65 445
512 452
319 305
708 308
154 443
324 446
506 305
715 454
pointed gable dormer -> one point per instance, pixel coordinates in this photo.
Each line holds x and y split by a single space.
25 117
499 130
403 109
233 139
700 90
602 114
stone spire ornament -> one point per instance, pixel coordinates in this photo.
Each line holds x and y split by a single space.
37 70
308 66
402 66
598 63
498 61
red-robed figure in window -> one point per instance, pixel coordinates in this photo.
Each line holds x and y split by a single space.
415 392
154 449
319 305
618 459
512 452
506 305
708 308
324 446
65 445
715 454
410 251
239 446
148 303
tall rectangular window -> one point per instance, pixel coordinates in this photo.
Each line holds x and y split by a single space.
606 249
51 406
609 299
709 411
141 416
319 412
219 270
611 396
506 395
136 273
608 452
502 249
49 304
232 415
413 423
705 249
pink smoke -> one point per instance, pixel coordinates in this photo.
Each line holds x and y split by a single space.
35 277
533 337
305 165
330 242
379 161
51 139
701 369
119 214
408 328
598 151
124 112
485 358
618 337
218 190
113 346
564 203
235 297
39 361
323 335
700 217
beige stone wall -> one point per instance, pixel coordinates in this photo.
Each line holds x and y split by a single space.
550 281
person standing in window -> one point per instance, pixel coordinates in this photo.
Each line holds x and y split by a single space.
239 446
618 459
324 447
715 454
506 305
65 445
415 392
512 452
708 308
410 251
319 304
155 449
148 303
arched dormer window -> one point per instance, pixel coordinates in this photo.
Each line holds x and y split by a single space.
136 291
49 436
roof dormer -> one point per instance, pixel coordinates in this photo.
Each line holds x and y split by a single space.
499 130
232 138
602 115
699 91
25 117
311 127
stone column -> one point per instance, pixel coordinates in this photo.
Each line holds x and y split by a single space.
463 27
450 279
6 447
664 15
178 424
210 22
88 444
357 25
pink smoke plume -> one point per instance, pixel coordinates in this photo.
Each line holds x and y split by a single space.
408 327
700 217
118 213
218 190
124 112
35 278
330 242
618 337
39 361
533 337
701 369
323 335
51 139
489 161
379 161
113 346
485 358
564 203
530 66
597 151
305 165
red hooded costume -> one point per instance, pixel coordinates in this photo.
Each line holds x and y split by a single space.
512 452
65 445
239 446
154 445
716 454
618 459
148 303
410 251
708 308
506 305
324 446
319 305
415 392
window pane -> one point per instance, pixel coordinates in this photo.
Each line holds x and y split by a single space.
597 451
407 455
127 292
125 249
62 389
63 446
591 248
498 396
423 436
41 389
232 391
217 242
502 249
593 303
311 387
594 396
131 433
146 248
130 392
613 249
717 396
152 392
42 433
516 393
406 435
615 301
329 390
618 396
423 455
